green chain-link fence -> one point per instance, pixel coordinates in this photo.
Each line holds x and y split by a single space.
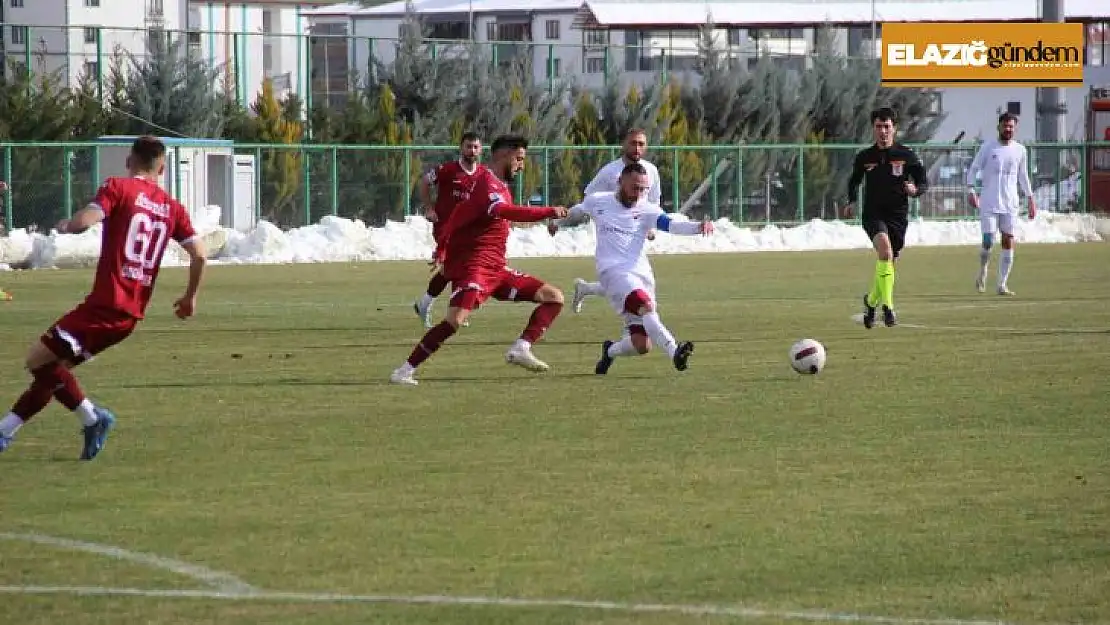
298 184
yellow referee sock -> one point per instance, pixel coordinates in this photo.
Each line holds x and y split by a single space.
883 291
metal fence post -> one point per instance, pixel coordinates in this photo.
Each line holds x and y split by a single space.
100 65
306 168
408 179
547 175
67 180
740 183
676 187
257 184
801 183
334 180
713 196
8 193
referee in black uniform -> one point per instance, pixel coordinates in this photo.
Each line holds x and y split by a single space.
893 174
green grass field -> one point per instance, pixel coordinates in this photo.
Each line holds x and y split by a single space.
955 467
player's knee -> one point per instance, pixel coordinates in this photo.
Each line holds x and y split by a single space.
988 240
549 294
638 303
456 316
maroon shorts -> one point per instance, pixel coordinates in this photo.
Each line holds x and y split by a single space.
85 332
506 285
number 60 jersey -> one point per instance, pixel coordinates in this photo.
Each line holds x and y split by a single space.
139 220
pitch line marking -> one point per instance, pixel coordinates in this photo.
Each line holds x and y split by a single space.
216 579
226 586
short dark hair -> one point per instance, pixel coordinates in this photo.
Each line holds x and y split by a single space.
146 150
468 136
634 168
1007 117
884 114
509 142
632 132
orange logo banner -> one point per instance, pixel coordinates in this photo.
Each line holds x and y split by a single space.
983 54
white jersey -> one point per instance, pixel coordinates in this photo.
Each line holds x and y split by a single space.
607 180
1004 169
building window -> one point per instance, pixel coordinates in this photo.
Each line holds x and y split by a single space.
92 69
734 36
554 67
90 35
456 31
777 33
92 3
1098 45
193 38
595 37
595 65
19 35
491 31
17 4
552 29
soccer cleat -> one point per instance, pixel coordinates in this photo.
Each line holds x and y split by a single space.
523 357
606 360
682 355
97 434
1002 290
579 295
5 442
868 314
425 314
401 376
889 318
981 282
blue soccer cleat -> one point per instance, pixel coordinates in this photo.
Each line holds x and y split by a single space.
97 434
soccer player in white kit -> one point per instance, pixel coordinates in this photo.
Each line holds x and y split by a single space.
607 180
1004 167
623 221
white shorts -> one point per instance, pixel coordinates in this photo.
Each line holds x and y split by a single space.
618 286
997 222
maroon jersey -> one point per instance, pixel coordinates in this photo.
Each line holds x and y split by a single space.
453 186
139 220
476 236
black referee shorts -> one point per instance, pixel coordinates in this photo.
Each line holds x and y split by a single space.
894 227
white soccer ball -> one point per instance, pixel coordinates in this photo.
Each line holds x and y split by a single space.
807 356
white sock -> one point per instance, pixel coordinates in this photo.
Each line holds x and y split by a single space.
984 258
1005 263
10 424
426 301
406 368
86 411
592 288
622 347
659 333
522 345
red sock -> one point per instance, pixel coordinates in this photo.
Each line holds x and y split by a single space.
38 395
430 343
542 318
437 284
68 393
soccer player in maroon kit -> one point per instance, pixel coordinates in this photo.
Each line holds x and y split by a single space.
453 181
138 219
472 254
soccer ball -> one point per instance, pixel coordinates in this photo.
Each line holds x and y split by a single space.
807 356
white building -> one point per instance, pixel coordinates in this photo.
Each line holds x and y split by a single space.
585 39
73 34
249 40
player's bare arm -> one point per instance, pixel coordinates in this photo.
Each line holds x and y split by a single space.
186 305
424 191
84 219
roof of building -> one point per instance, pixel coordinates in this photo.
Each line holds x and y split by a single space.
608 13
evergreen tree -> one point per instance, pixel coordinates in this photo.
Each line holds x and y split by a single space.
170 90
281 167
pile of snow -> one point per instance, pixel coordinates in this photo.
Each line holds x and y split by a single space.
336 239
